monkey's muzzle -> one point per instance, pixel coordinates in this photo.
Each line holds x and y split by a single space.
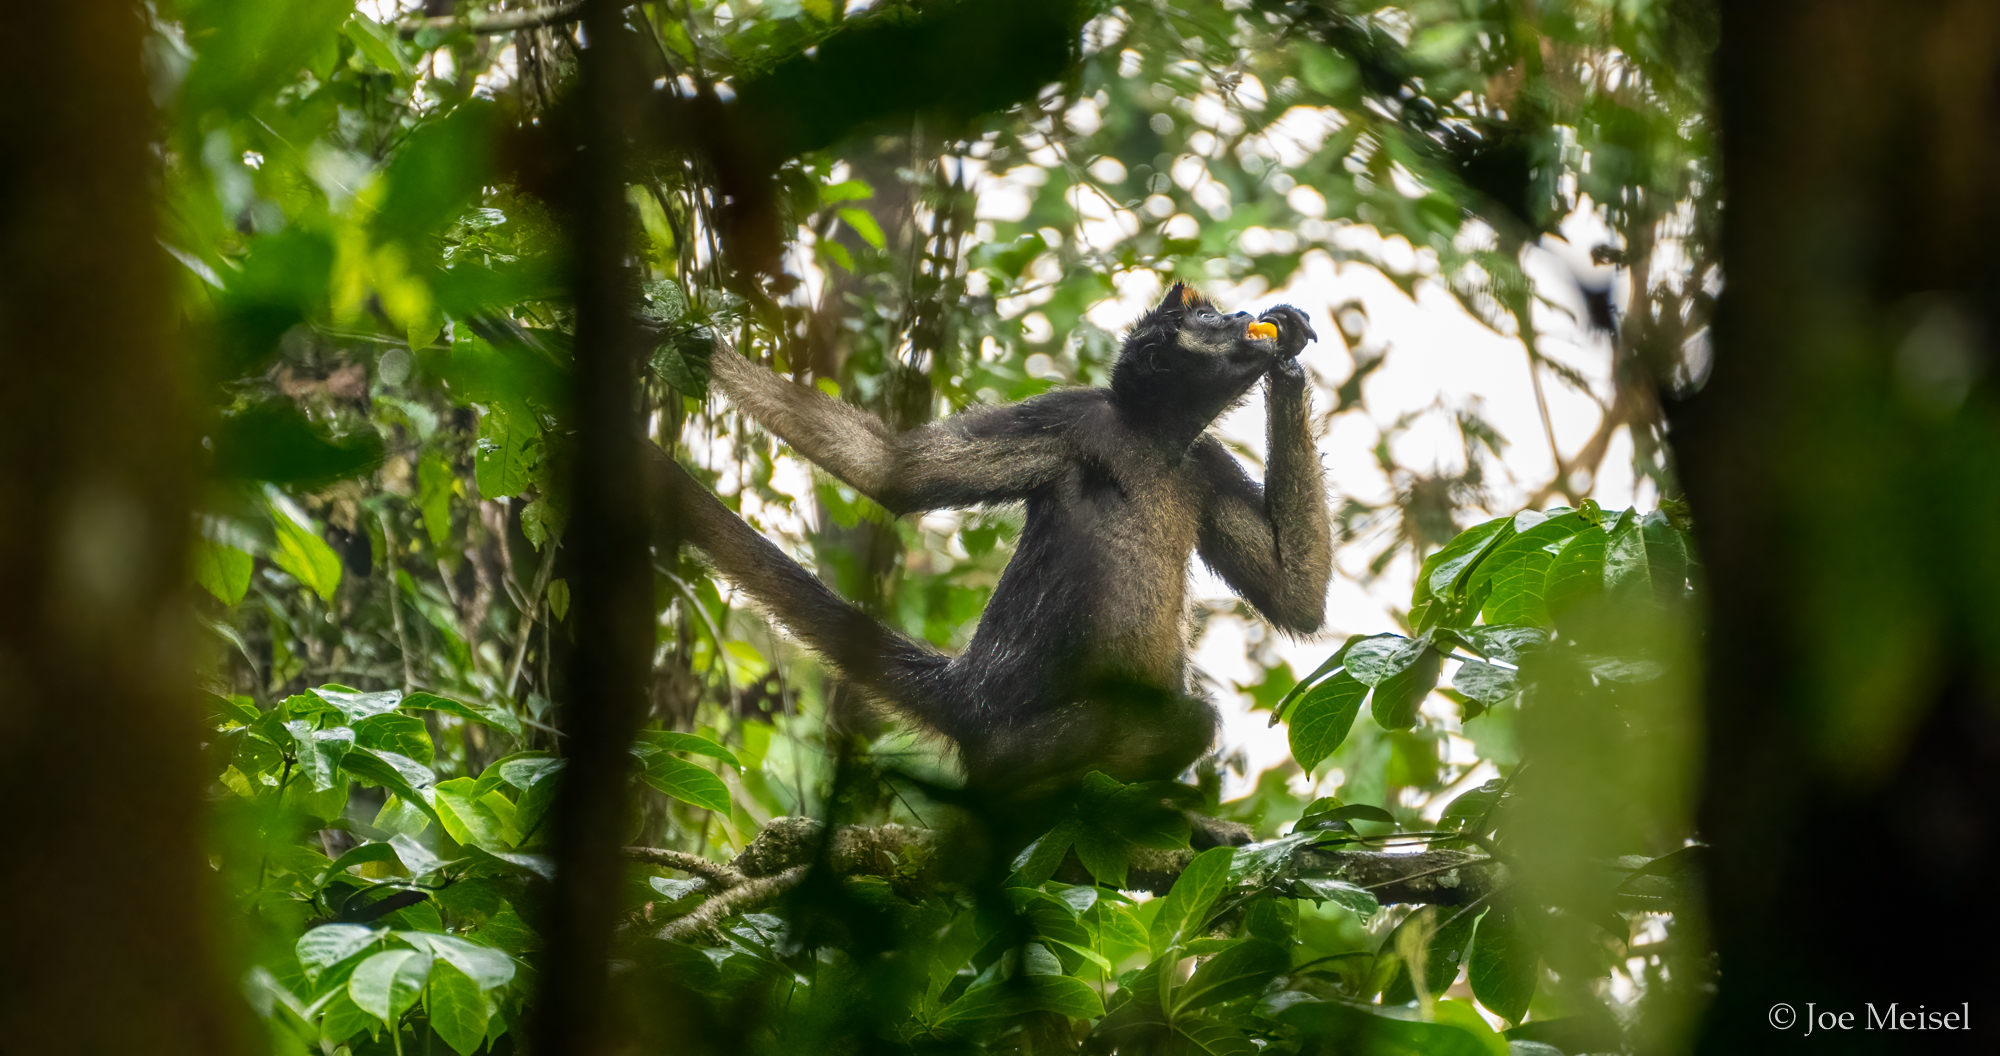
1263 331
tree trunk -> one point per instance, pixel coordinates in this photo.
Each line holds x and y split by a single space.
1844 467
111 940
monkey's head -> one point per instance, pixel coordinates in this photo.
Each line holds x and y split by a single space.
1187 362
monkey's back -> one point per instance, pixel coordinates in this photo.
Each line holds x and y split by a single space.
1088 624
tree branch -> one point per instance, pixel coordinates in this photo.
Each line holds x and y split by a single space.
789 845
495 23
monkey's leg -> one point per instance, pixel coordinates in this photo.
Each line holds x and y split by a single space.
888 665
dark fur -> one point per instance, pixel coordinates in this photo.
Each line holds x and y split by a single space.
1080 660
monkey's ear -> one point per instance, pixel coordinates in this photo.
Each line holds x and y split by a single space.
1180 297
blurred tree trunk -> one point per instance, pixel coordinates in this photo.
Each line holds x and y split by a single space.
1844 464
111 936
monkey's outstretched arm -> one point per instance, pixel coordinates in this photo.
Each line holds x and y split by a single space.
994 454
1272 544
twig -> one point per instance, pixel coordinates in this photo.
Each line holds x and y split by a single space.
717 873
528 615
495 23
396 602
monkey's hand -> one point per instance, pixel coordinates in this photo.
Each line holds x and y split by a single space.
1294 333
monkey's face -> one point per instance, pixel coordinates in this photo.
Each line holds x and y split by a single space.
1188 359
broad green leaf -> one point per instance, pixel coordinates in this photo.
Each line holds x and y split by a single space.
415 857
1627 565
1026 993
524 772
222 570
329 944
1462 1015
1505 643
687 782
484 965
674 741
1105 853
497 717
1241 970
473 819
355 705
367 852
1666 556
1319 721
1356 900
1040 860
1485 683
458 1011
510 443
1578 570
1194 891
1505 964
341 1018
1378 658
299 550
1443 571
1510 583
1450 930
1201 1036
435 484
403 734
406 777
387 984
319 752
1397 699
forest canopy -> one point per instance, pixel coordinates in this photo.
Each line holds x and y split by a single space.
486 773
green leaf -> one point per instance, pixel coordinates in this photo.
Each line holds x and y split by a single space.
354 705
687 782
387 984
1105 853
1443 571
1330 1026
1034 865
458 1011
1578 570
1505 643
222 570
510 444
319 752
1356 900
485 966
559 598
1241 970
864 225
329 944
1186 906
473 819
1378 658
1512 580
500 718
1319 722
415 856
435 484
341 1018
1504 964
674 741
1485 683
403 734
299 550
407 778
1026 993
378 45
1398 698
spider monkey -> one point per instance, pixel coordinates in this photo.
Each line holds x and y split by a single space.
1080 660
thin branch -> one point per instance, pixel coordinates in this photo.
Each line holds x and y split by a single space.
734 900
495 23
717 873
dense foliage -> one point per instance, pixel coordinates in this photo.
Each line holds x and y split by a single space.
375 263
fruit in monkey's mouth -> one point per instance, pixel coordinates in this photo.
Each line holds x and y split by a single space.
1264 331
